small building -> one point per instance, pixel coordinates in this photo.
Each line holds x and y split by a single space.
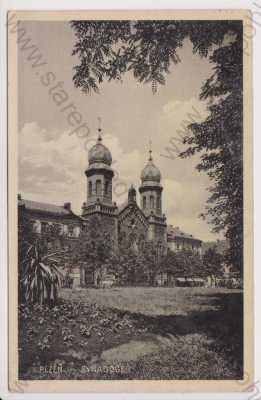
178 240
42 216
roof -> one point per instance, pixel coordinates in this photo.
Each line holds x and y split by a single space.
45 207
99 154
150 173
177 232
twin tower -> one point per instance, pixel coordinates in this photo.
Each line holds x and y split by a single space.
99 198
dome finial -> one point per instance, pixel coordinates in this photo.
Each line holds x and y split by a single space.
150 172
99 153
150 151
99 130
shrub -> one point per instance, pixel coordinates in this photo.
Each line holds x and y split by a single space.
40 277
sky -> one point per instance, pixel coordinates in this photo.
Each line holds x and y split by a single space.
52 158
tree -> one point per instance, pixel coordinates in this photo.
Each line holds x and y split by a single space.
130 266
109 49
149 262
129 271
169 263
94 246
212 261
219 140
183 263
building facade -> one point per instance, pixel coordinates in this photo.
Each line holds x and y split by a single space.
134 221
137 223
42 216
179 240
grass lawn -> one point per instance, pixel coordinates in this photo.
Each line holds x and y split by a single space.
134 333
153 300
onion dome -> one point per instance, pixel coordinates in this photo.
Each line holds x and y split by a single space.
99 153
150 172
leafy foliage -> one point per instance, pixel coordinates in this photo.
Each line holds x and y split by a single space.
38 274
219 139
136 267
94 246
184 263
41 277
110 49
150 262
213 262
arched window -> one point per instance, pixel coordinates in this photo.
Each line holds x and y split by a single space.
133 242
76 231
151 202
37 226
158 202
122 237
132 238
98 187
90 188
70 230
44 227
141 242
144 202
159 249
60 229
106 187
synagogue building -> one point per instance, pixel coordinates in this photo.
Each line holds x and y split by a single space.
134 221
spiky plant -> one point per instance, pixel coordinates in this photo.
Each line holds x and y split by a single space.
40 278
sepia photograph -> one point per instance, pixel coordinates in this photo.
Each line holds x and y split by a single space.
130 199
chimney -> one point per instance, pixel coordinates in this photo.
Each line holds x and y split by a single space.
67 206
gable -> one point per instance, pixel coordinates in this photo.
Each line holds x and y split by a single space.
131 218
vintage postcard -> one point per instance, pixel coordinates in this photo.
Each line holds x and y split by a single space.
130 201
